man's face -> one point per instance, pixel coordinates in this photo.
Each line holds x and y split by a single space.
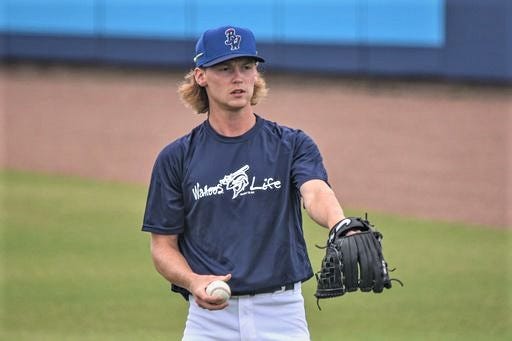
230 84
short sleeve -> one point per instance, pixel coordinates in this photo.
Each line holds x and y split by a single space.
307 163
164 212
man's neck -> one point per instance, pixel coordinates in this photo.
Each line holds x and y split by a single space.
232 124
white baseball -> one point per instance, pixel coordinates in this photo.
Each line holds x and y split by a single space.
219 289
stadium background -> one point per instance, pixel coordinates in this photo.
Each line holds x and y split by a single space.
446 38
432 146
409 101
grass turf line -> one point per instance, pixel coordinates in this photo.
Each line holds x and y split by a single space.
75 266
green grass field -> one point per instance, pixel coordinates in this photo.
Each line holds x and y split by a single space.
75 266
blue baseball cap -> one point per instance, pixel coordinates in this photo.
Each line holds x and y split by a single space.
223 43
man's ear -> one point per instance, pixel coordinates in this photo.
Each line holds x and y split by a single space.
200 76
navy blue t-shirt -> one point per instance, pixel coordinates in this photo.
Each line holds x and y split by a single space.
235 202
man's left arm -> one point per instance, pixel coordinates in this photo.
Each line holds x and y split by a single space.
321 203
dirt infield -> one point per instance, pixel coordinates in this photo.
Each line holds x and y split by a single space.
420 148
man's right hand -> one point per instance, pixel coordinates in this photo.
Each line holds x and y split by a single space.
198 289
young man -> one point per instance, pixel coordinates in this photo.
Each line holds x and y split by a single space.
225 202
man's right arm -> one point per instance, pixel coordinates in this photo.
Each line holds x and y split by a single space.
171 264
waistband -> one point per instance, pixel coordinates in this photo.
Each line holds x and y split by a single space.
268 290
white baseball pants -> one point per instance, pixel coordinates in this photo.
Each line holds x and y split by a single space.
276 316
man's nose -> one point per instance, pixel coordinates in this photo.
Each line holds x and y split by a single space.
237 74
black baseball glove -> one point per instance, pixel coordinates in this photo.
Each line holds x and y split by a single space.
353 262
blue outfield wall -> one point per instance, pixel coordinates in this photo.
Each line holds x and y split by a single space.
443 38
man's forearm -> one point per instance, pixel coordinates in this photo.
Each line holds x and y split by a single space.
321 203
170 263
325 210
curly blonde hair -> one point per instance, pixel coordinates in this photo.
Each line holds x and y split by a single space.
194 96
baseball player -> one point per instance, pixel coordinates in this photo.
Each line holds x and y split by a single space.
225 201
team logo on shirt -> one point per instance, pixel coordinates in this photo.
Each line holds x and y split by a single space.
237 183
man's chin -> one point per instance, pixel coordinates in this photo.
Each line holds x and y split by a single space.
237 104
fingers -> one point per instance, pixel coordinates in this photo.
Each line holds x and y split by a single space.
225 278
349 254
211 303
351 232
202 298
367 260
